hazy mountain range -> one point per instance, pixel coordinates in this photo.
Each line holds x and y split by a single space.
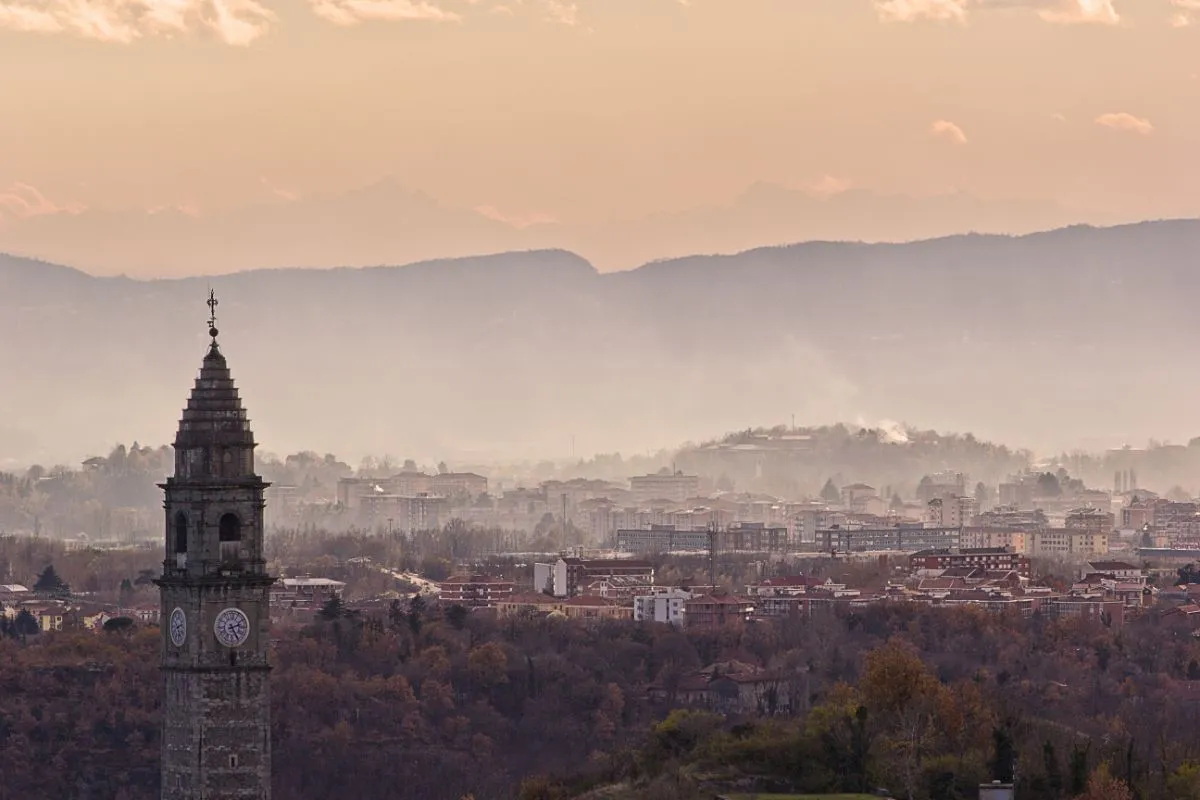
389 223
1080 336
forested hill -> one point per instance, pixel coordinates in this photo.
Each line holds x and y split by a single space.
1076 336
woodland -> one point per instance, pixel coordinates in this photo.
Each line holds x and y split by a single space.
418 701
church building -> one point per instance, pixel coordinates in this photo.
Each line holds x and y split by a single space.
216 737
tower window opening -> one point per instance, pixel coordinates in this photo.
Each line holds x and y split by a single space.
231 528
230 538
181 531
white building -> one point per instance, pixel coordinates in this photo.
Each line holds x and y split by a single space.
677 487
661 605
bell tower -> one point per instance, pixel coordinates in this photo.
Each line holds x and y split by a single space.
216 739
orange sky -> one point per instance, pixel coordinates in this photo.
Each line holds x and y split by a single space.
593 110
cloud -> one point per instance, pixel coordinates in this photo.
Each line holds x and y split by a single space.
910 10
517 220
946 129
562 12
352 12
1060 11
827 186
276 191
1075 11
22 201
1186 13
234 22
1057 117
1122 121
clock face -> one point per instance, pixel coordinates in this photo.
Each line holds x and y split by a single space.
178 627
232 627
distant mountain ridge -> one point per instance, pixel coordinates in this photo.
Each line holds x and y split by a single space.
1077 335
388 223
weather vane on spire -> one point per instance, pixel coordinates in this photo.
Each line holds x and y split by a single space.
212 314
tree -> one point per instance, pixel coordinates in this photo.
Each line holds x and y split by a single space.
1054 780
416 608
334 608
1048 485
456 615
830 493
49 582
983 496
900 690
26 624
118 625
1004 754
1103 786
1079 768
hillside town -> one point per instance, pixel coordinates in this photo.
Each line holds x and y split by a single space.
1038 543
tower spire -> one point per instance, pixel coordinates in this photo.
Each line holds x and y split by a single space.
212 314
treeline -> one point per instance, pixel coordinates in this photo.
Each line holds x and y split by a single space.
438 704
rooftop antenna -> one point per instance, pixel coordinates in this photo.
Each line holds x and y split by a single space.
212 314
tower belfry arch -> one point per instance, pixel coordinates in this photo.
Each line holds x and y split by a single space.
216 740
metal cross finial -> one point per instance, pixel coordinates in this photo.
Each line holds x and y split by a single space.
212 313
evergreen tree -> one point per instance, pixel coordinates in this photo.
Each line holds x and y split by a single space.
1079 769
416 607
333 609
830 493
1054 779
26 624
1004 754
50 583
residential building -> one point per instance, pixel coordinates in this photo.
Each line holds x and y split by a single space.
305 591
676 487
584 607
805 520
474 591
1010 538
755 537
942 485
990 559
662 539
734 688
567 577
1066 542
953 511
1108 612
666 605
1090 519
1012 518
900 538
404 513
1120 570
457 484
715 611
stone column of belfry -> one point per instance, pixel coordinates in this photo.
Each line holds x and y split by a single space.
216 734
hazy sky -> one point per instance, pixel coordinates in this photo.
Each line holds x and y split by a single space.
595 109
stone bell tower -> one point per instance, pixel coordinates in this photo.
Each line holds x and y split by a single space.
216 738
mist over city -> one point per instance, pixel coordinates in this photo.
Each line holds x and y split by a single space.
599 400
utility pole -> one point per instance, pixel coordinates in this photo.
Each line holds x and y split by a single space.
566 540
712 555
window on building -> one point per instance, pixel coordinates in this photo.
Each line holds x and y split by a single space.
181 530
230 537
231 528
